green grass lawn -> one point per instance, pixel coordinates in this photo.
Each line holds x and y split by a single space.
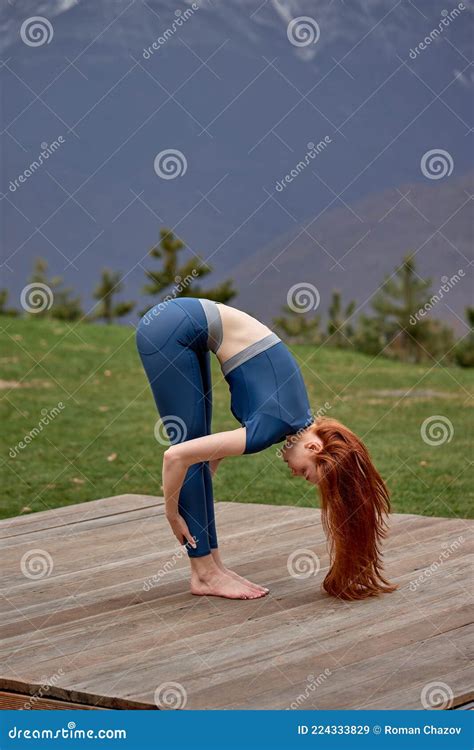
101 443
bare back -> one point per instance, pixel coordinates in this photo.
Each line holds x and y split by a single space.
239 329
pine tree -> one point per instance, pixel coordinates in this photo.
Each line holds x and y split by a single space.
109 286
464 352
370 336
340 331
64 306
438 345
182 279
397 304
401 327
297 328
4 310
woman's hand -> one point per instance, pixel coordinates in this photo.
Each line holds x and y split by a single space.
180 529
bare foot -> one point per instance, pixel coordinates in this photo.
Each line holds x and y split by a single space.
236 576
221 584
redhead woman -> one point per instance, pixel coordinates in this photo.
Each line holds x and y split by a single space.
269 400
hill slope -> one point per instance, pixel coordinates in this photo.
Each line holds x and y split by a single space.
101 441
352 248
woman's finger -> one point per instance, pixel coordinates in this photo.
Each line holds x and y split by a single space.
182 533
189 537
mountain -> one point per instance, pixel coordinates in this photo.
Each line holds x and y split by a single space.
240 90
352 248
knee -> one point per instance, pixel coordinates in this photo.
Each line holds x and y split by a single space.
171 455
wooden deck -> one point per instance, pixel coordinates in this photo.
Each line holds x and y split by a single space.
92 628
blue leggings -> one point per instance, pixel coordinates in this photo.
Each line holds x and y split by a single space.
172 341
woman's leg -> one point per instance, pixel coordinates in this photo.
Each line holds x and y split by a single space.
205 366
205 369
182 398
176 384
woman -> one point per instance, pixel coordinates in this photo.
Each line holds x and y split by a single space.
269 399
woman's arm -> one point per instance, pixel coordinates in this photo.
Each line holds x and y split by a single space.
213 464
178 458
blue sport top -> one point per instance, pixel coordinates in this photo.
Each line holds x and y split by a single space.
268 397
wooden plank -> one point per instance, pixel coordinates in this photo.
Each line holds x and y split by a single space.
255 644
41 537
76 513
172 609
104 542
296 663
123 577
110 506
75 696
466 706
175 602
35 597
212 678
104 550
358 684
90 642
117 642
459 682
17 702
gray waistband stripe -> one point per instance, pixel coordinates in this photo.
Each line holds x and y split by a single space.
250 351
214 324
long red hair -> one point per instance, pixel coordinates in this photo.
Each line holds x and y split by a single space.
354 503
